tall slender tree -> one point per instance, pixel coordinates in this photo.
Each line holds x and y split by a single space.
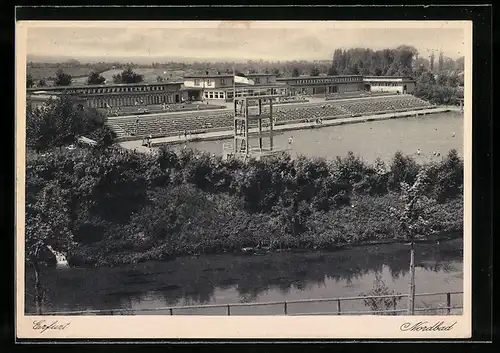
413 218
440 62
431 59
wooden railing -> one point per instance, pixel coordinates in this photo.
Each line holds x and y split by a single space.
174 310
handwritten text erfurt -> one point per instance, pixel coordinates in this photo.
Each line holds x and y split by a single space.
43 325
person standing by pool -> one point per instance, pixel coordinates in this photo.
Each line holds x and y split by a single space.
290 141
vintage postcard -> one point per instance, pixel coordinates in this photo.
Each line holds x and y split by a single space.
243 179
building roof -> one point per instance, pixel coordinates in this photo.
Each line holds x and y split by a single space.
42 96
313 77
385 77
52 88
208 76
223 75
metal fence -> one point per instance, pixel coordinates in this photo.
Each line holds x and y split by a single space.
228 309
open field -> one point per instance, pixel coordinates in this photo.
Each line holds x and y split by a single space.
80 74
50 72
150 75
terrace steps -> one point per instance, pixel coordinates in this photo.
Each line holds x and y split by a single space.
172 124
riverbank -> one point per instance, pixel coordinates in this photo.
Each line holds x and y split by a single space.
82 258
368 223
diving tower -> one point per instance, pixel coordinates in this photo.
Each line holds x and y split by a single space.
254 132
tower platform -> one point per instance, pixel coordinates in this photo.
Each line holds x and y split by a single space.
257 112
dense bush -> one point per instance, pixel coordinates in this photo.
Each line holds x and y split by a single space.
402 169
167 204
60 122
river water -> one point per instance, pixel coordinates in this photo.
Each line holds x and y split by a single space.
435 132
227 278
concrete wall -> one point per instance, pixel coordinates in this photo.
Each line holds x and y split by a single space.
211 82
410 88
263 79
322 89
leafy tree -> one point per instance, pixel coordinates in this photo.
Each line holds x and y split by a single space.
361 61
42 83
62 79
128 76
413 219
95 79
442 79
29 81
295 72
447 180
60 123
432 58
47 224
403 169
426 78
453 80
314 71
159 78
332 71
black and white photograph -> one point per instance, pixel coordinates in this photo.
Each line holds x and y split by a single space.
179 170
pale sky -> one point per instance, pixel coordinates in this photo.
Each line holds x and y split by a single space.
234 42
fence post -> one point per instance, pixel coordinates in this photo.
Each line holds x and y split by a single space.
228 310
286 308
171 311
338 306
448 302
394 304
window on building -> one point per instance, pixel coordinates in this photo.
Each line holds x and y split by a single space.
216 95
196 82
206 94
211 94
222 81
209 82
257 80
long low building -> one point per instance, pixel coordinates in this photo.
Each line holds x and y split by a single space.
316 85
221 87
119 95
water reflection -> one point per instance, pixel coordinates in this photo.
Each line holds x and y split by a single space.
221 279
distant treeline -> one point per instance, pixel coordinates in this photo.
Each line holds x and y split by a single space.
399 61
